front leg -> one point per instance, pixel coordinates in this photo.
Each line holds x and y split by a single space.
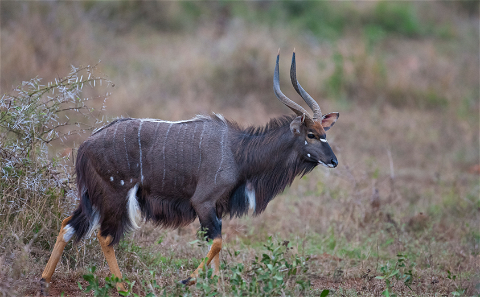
213 226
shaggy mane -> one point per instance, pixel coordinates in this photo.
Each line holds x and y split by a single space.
268 175
272 125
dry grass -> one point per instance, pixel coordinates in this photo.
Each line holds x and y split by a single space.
407 142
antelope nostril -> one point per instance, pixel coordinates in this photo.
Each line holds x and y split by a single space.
334 162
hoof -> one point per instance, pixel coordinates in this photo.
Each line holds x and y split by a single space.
189 281
44 287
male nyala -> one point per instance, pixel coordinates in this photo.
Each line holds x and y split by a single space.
170 173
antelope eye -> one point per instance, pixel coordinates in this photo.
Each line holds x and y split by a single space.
311 135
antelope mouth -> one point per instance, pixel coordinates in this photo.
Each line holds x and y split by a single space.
328 166
313 160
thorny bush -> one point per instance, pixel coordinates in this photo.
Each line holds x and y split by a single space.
36 190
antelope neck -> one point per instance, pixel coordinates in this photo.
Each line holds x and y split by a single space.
265 150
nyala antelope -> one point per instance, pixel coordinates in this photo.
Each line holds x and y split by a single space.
170 173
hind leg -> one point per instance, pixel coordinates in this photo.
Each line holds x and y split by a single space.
63 237
109 254
216 264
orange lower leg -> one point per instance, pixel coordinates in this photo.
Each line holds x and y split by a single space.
56 253
109 254
216 264
213 254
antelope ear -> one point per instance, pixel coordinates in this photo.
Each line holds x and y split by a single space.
329 119
296 124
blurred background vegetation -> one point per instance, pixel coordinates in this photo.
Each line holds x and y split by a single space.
403 75
421 55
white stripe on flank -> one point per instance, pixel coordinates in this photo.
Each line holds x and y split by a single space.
104 137
177 138
140 149
250 193
125 141
223 148
155 134
181 143
163 153
113 142
133 207
69 231
191 151
200 147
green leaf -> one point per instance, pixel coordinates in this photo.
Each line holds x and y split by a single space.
394 273
324 293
